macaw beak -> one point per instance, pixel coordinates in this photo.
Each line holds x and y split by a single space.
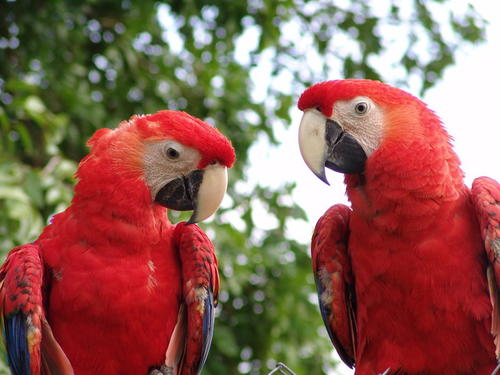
323 142
202 191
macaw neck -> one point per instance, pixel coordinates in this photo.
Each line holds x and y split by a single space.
407 184
119 211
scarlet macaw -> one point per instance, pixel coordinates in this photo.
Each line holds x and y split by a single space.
402 275
111 286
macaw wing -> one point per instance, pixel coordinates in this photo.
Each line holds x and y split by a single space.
334 282
29 342
486 200
194 330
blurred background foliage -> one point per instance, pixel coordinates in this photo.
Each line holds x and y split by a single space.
68 68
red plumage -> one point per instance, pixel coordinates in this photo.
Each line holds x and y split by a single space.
114 275
413 245
324 94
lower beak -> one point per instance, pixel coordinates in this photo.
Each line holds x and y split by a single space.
323 143
201 191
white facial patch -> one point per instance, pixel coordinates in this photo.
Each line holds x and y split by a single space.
165 161
366 127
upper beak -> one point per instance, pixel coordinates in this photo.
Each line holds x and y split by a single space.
201 191
312 143
323 142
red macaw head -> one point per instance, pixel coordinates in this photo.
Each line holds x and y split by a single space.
178 160
346 121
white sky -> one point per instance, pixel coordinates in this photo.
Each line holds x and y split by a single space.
465 99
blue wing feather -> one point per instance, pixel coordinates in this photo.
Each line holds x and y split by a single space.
17 344
324 310
30 345
208 328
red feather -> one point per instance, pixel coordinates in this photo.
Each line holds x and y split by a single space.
22 292
486 199
333 274
324 94
200 291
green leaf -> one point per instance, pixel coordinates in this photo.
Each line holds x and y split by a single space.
33 188
225 342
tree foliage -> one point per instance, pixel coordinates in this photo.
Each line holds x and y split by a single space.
69 68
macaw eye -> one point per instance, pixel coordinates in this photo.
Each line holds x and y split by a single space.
361 108
172 153
173 150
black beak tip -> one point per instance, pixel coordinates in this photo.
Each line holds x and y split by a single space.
323 178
